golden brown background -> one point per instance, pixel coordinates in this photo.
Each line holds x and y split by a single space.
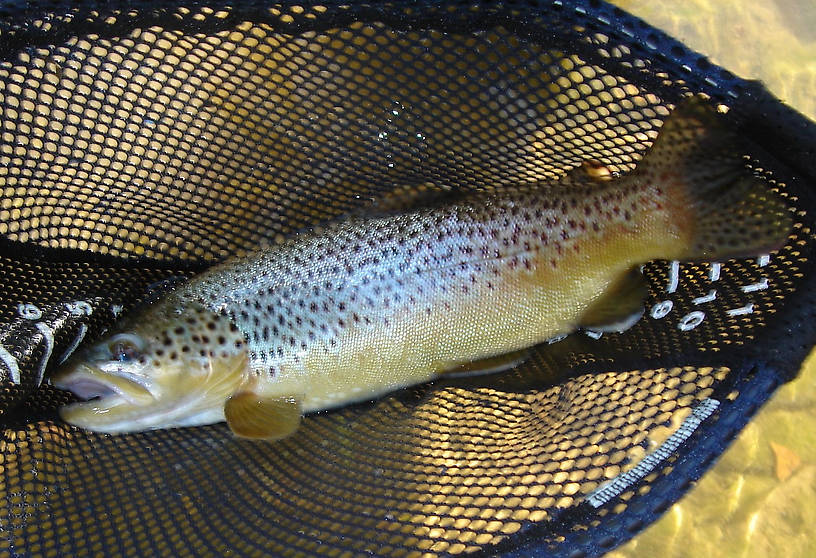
760 498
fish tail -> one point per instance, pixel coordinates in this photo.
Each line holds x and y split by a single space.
724 211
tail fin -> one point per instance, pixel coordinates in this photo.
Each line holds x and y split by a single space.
730 213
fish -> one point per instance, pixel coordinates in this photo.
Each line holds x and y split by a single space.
374 303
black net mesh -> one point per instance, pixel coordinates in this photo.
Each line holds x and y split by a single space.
143 141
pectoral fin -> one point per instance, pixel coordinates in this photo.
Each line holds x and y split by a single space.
488 365
620 306
250 415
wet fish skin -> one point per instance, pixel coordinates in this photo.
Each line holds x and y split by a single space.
396 300
369 305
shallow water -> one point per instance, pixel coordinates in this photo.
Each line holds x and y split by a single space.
760 498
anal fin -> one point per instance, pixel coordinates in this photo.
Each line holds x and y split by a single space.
489 365
620 306
250 415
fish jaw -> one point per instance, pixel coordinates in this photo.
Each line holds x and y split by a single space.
87 381
121 404
106 395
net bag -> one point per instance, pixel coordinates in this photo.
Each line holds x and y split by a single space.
144 141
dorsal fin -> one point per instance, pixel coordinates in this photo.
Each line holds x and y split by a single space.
588 172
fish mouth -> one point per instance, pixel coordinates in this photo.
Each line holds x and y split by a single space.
92 384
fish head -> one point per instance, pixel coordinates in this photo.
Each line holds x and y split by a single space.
174 365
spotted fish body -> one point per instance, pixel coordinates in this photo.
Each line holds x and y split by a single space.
369 305
372 305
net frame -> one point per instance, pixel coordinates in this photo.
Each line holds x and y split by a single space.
650 59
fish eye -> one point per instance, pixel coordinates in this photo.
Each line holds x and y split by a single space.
125 348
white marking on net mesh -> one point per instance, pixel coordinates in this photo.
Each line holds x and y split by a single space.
674 276
691 320
712 294
29 311
79 308
83 329
48 335
759 286
747 309
11 363
619 484
662 309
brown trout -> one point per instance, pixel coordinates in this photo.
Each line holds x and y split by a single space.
370 305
